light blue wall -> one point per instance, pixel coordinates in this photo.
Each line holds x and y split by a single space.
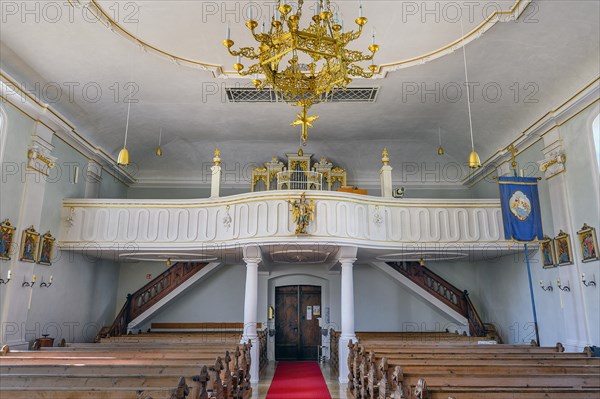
218 298
82 296
19 128
383 304
501 286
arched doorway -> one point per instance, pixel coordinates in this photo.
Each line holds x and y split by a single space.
298 334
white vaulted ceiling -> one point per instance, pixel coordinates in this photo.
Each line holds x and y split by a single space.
537 62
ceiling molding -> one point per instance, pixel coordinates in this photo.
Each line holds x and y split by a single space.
14 94
217 70
554 118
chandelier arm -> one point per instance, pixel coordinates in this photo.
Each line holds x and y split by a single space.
355 70
246 52
355 56
254 69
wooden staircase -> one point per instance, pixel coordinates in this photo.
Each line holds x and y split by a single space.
144 298
444 291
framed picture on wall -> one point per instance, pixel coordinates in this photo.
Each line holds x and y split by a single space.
588 243
563 249
547 249
7 233
46 249
29 245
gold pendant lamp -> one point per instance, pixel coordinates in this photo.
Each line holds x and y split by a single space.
440 148
474 161
123 159
158 149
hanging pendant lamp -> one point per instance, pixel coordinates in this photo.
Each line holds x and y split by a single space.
123 158
158 149
440 148
474 161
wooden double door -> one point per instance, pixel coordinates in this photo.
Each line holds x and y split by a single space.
297 329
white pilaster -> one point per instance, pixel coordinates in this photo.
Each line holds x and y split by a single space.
93 179
251 315
215 185
385 175
554 166
17 300
348 333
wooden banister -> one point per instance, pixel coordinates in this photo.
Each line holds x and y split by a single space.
140 301
444 291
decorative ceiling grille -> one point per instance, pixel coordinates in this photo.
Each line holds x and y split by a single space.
349 95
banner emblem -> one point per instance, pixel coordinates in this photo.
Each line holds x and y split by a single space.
520 205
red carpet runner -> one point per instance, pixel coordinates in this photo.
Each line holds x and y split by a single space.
298 380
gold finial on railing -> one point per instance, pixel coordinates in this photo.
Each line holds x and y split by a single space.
217 157
385 160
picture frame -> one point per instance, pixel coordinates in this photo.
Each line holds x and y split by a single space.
46 249
588 243
29 245
562 249
7 234
548 253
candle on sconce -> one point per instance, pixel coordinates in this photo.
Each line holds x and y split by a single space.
558 282
318 7
239 59
360 13
262 27
9 274
541 283
582 276
33 278
373 37
51 278
228 31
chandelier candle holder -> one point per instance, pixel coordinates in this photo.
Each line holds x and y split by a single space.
302 65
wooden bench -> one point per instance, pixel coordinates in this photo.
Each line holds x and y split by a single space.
137 368
383 368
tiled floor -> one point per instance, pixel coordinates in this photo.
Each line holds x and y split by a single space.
337 390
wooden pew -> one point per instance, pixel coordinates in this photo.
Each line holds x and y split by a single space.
129 371
382 368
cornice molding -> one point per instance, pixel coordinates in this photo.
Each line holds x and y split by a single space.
217 70
14 94
580 101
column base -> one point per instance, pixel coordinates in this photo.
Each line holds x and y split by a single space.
254 357
344 351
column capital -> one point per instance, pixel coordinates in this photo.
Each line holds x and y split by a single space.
345 261
252 261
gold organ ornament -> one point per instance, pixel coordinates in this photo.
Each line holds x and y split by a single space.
303 65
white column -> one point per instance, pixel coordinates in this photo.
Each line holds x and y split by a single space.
215 184
347 303
250 315
385 175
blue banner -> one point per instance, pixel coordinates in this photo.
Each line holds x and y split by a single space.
520 208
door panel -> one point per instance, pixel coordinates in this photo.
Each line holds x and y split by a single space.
310 333
297 337
286 323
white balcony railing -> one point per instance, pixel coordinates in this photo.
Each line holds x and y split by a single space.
340 219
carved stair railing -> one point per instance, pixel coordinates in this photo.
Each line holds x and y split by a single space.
444 291
147 296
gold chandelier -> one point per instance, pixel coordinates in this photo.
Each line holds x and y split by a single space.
303 65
